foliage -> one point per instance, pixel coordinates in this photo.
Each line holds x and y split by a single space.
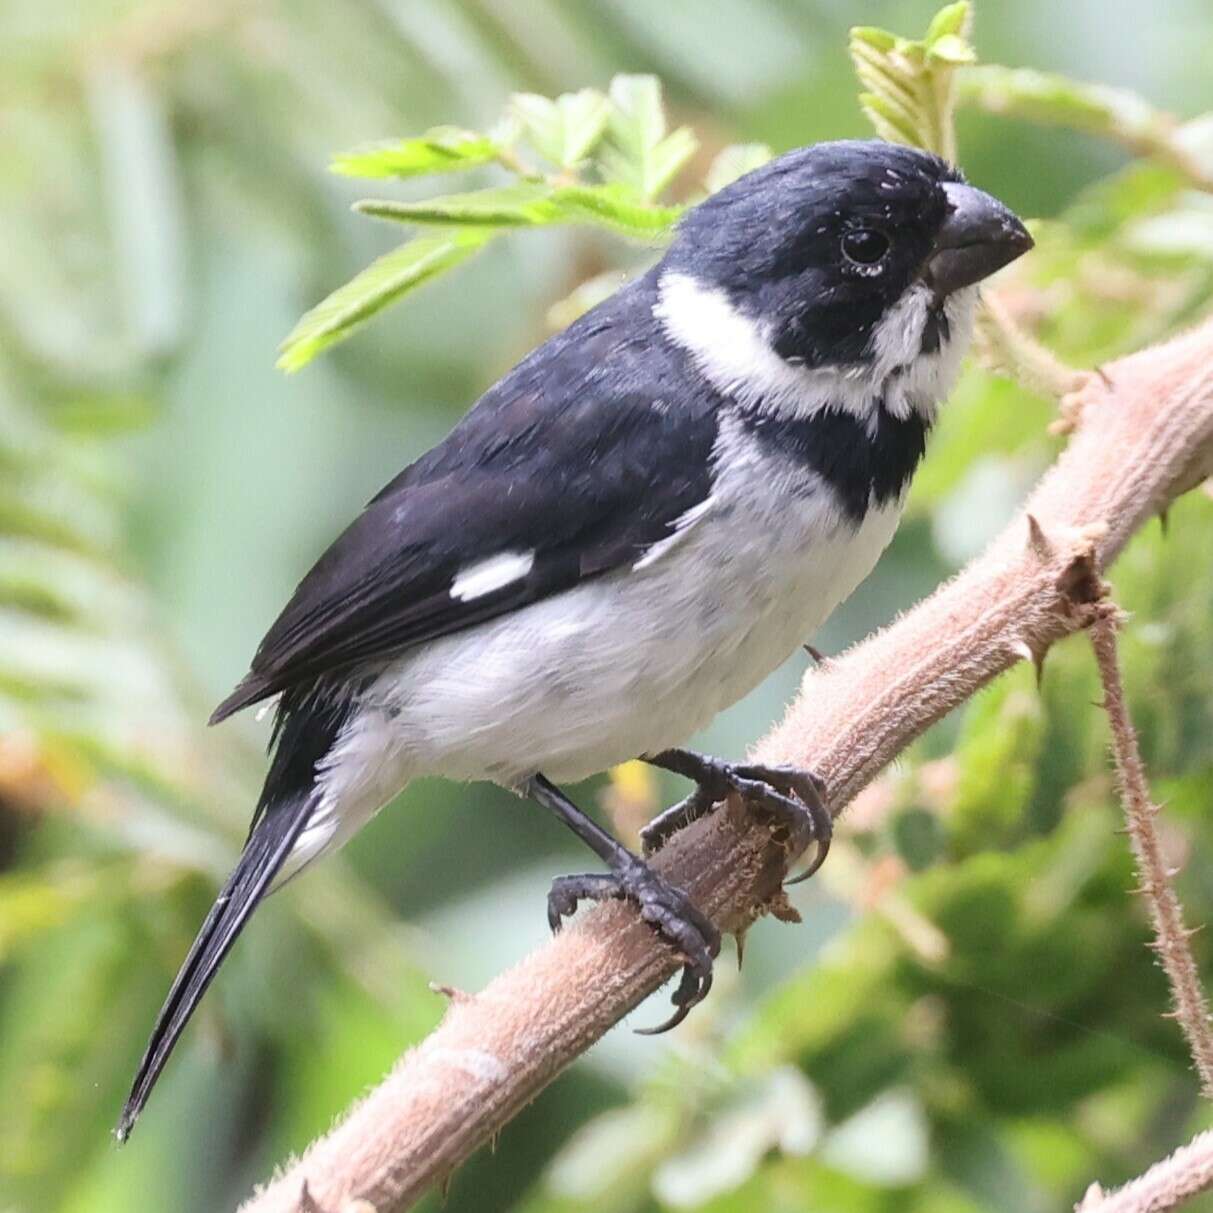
967 1020
911 83
581 158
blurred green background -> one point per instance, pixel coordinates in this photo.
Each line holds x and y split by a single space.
969 1018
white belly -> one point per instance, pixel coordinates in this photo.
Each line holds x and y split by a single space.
629 664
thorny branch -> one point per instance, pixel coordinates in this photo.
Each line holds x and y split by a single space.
1142 435
1171 936
1166 1185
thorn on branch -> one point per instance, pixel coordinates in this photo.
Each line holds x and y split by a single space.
1038 662
455 994
1023 650
819 658
1038 541
1091 1199
1171 935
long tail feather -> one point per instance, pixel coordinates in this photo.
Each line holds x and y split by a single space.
274 834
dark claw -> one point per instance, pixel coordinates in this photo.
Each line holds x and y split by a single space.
690 991
567 891
666 824
667 909
810 791
793 797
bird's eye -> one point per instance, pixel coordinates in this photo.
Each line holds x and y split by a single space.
865 246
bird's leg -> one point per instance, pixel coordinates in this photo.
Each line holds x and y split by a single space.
667 909
793 797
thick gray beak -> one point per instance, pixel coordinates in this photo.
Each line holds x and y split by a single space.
977 238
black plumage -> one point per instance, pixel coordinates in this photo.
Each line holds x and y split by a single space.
586 454
304 734
863 465
771 242
572 468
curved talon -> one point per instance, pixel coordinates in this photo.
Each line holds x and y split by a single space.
691 990
809 790
567 891
794 797
823 849
666 824
666 909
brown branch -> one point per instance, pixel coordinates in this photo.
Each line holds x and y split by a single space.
1142 437
1166 1185
1171 936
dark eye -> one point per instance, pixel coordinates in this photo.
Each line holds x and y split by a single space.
865 246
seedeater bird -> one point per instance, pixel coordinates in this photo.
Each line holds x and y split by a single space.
625 535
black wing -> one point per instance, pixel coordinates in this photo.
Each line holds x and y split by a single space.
585 455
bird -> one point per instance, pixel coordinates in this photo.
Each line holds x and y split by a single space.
627 533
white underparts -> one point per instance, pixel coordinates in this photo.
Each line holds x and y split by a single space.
491 574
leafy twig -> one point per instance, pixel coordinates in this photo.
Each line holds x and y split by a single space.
1050 99
1171 936
910 83
1004 348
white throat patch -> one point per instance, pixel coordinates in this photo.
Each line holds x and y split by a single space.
734 351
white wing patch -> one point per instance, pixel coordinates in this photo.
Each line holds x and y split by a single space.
491 574
682 524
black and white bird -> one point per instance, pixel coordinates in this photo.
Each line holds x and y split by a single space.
628 532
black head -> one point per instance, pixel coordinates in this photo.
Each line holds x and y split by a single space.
818 244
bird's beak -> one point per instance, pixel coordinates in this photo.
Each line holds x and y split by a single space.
978 237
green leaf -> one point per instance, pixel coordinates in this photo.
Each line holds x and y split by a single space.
734 162
638 153
952 21
873 36
953 50
520 205
383 281
890 121
444 149
909 86
1052 99
612 206
533 205
563 131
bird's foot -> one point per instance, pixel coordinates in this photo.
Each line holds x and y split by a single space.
667 909
792 797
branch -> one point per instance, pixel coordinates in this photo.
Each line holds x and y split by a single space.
1166 1185
1171 936
1143 436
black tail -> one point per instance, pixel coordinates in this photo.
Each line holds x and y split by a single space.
273 834
308 722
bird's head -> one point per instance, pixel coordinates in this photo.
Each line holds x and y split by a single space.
854 259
